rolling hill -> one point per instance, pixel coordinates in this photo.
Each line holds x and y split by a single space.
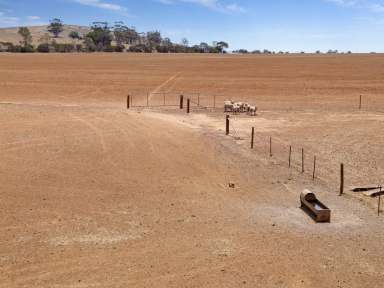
38 32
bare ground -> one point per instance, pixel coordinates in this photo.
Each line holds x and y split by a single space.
94 195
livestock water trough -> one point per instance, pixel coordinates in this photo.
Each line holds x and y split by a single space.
314 208
370 190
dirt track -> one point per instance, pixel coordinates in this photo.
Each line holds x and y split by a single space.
94 195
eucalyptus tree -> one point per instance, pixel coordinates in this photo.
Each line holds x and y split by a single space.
75 35
56 27
221 46
154 38
26 35
100 35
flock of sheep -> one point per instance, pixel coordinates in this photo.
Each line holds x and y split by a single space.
240 107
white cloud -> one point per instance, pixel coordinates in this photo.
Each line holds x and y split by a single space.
102 5
211 4
345 2
373 6
235 8
8 20
33 18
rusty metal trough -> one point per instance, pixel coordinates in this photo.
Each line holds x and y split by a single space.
375 193
370 191
365 189
314 208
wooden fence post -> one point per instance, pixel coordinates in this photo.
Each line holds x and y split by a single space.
198 100
290 155
128 101
227 125
302 160
252 137
270 147
341 179
181 101
314 168
188 105
378 206
164 98
360 105
147 98
214 101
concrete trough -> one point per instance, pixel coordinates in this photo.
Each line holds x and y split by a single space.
314 208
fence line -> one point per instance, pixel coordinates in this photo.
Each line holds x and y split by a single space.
322 168
347 103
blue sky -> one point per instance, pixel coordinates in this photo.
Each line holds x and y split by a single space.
293 25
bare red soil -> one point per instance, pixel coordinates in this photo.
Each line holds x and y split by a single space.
95 195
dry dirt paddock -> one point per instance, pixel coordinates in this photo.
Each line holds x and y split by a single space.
95 195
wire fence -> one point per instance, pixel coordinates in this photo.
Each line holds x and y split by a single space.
340 103
305 160
322 103
318 164
360 168
162 99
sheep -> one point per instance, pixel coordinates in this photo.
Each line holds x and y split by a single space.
228 106
240 104
236 108
245 107
239 107
252 110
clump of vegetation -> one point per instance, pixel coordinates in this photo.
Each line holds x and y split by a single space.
26 43
43 48
75 35
100 37
56 27
241 51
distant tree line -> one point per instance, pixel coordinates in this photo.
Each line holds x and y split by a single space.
105 38
265 51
